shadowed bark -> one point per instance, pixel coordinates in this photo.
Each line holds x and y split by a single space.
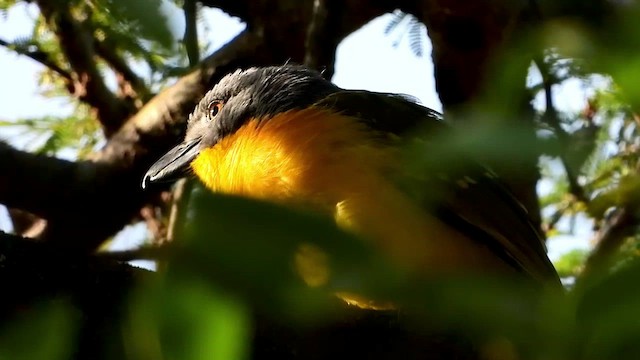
97 292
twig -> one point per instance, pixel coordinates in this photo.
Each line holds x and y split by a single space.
89 86
141 253
106 50
183 187
557 215
178 214
38 56
552 118
156 227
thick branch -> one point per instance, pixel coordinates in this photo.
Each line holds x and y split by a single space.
277 18
36 182
38 56
466 38
89 86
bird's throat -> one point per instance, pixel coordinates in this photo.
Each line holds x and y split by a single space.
308 156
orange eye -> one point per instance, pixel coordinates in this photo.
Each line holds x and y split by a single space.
214 108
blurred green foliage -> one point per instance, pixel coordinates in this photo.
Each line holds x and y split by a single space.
45 330
251 247
570 264
183 317
50 134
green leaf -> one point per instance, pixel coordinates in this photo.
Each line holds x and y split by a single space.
40 331
185 318
145 16
608 313
250 247
571 263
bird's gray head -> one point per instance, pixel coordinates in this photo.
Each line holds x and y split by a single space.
254 93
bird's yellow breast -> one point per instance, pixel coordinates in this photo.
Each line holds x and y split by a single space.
335 164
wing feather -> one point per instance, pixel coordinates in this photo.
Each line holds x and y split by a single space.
473 201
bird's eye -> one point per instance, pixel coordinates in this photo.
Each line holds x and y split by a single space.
214 109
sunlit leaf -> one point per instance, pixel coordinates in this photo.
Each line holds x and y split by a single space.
571 263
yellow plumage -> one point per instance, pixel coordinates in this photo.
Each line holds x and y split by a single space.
314 158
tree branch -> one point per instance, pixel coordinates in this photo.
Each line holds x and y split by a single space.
346 16
320 47
239 8
106 50
78 199
182 189
36 182
614 230
552 118
466 39
39 56
557 215
25 223
89 86
190 38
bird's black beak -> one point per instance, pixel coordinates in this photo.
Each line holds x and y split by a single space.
173 165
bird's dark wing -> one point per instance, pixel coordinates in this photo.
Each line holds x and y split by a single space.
393 113
471 199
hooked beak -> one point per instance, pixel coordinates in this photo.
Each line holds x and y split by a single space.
173 165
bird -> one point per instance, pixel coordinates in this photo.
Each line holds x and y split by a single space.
286 135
